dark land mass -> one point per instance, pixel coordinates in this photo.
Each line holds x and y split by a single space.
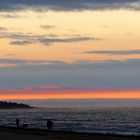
8 133
11 105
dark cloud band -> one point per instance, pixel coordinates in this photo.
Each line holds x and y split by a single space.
111 52
106 74
66 5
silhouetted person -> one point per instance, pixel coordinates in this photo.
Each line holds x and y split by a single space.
17 122
49 124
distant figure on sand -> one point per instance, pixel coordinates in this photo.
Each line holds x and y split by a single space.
17 122
49 124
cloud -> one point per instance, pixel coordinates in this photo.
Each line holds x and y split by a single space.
17 35
3 29
44 87
78 64
92 74
7 65
21 43
47 27
65 5
9 15
11 61
112 52
27 39
18 62
47 41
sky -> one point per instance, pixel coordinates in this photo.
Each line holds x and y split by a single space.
69 49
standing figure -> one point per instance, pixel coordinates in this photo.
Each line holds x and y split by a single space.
17 122
49 124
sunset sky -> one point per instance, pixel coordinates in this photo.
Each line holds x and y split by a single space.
69 49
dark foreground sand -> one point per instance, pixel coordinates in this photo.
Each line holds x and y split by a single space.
7 133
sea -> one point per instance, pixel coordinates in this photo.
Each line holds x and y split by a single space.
124 121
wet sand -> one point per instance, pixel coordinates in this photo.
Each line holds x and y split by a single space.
7 133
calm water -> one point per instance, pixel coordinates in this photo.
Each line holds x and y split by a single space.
117 121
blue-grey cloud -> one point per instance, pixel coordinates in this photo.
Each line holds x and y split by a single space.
22 62
15 61
17 35
20 43
41 5
27 39
95 75
47 41
112 52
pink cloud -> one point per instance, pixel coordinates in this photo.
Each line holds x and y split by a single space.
44 87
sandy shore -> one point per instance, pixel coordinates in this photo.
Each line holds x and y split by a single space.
7 133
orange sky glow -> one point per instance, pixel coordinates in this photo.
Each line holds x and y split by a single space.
25 95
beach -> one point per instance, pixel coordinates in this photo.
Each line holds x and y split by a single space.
8 133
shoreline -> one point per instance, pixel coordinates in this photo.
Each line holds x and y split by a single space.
41 134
